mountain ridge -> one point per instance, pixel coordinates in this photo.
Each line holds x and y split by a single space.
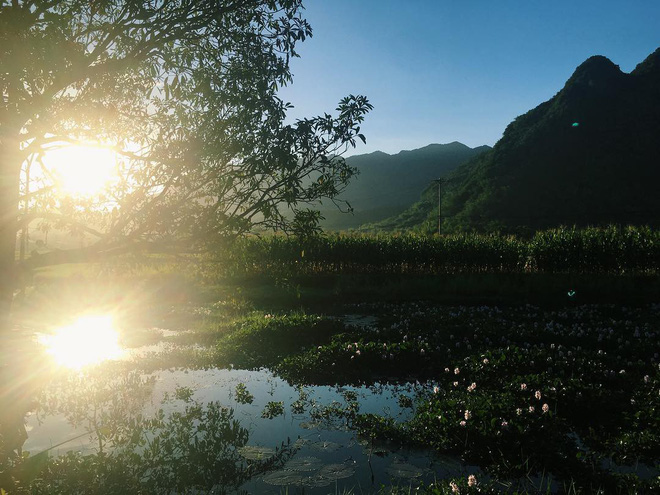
589 155
387 184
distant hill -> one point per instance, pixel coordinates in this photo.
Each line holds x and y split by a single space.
388 184
588 156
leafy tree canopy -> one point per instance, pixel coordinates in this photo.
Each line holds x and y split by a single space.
186 93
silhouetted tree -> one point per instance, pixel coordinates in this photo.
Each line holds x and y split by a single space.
185 91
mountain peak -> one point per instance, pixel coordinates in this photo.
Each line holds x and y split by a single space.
597 77
596 68
650 65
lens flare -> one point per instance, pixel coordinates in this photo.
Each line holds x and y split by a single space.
90 340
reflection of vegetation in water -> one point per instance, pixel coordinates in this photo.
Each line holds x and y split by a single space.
243 396
272 410
199 448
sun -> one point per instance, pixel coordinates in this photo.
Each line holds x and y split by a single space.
81 170
89 340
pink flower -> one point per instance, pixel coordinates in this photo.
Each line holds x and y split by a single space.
523 386
545 408
472 480
537 394
531 409
504 424
463 423
454 487
472 387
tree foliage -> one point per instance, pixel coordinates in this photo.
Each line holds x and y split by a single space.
186 92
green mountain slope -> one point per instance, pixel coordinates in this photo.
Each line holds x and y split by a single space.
590 155
388 184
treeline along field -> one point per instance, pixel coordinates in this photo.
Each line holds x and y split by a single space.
611 250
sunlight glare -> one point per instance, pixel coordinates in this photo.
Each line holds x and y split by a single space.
82 170
90 340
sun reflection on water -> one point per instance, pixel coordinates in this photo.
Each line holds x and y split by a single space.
89 340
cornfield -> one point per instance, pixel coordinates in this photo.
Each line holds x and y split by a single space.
592 250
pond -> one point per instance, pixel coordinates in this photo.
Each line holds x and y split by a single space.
539 399
309 422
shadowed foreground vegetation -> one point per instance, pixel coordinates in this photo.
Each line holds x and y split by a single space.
540 379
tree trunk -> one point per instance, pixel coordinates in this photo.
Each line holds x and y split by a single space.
10 169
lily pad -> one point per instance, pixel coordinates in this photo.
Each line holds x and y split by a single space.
377 447
300 443
303 464
317 481
404 470
325 446
310 425
337 471
256 452
283 478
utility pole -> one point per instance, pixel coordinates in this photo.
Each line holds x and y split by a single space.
440 181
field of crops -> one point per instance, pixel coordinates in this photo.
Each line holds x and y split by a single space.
613 250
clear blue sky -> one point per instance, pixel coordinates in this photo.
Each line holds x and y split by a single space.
438 71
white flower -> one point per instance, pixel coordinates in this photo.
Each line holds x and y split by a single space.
454 487
472 387
435 389
545 408
467 414
537 394
531 409
518 412
463 423
472 480
523 386
457 371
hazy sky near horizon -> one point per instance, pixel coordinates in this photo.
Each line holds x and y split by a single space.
439 71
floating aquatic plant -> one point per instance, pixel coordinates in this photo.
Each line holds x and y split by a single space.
303 464
256 453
